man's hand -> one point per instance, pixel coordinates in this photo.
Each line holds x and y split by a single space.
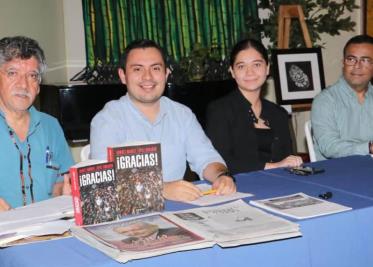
224 185
181 191
216 173
66 188
62 188
4 206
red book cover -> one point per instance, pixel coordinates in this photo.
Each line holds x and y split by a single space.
93 188
139 177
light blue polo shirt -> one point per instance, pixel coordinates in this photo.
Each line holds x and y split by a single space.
176 128
44 134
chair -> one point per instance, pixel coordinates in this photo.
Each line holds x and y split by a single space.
85 152
309 139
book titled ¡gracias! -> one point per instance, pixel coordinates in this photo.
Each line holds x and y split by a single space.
139 177
93 188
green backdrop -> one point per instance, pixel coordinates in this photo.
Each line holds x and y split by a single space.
177 25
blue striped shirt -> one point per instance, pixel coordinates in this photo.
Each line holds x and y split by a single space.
341 125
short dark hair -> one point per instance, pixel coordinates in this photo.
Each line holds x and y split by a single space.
358 39
21 47
143 43
245 44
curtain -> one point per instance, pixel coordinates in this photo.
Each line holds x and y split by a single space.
177 25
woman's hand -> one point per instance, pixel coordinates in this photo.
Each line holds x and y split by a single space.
288 162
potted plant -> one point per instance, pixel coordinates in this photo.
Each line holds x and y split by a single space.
322 16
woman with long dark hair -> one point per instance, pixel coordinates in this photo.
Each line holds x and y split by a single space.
250 132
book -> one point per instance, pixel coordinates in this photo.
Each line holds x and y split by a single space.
139 177
232 224
36 221
299 206
94 192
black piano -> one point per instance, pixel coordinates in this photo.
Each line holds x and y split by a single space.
75 105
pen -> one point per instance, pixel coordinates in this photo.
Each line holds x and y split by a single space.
209 192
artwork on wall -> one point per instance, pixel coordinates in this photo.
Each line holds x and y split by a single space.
368 17
298 74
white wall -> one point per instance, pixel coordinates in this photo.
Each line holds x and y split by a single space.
57 26
74 37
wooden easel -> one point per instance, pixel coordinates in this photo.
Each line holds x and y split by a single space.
285 14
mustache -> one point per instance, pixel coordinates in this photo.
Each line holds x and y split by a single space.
21 92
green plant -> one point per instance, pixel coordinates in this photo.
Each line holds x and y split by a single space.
322 16
202 64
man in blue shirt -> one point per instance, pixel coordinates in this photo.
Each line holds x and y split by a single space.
143 114
33 151
342 115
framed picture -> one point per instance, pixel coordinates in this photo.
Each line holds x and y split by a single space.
368 17
298 74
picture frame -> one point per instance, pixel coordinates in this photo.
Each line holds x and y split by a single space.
367 14
298 74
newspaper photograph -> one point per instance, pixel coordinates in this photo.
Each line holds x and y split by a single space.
299 206
143 234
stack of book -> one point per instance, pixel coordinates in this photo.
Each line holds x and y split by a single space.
130 182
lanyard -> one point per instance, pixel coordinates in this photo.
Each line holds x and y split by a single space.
22 176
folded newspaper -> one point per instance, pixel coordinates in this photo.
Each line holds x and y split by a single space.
299 206
38 219
227 225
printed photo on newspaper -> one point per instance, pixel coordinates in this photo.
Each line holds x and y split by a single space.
299 206
147 233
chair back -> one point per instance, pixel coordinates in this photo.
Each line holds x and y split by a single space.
309 139
85 152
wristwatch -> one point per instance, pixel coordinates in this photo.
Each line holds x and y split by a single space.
227 173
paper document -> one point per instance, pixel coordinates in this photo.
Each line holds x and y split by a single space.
43 211
299 206
234 223
210 199
58 227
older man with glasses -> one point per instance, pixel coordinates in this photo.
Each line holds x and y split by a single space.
34 155
342 115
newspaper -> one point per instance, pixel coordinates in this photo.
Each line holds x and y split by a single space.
299 206
41 218
227 225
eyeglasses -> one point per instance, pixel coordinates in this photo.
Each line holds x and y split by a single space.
352 61
14 75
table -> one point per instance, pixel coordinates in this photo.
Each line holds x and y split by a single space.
343 239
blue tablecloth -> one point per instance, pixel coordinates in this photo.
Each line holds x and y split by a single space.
343 239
